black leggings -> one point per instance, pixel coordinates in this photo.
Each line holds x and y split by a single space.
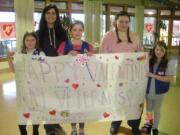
23 130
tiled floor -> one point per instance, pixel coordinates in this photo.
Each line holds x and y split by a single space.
169 124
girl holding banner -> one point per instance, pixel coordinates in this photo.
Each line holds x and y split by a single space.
121 40
74 47
51 34
30 46
161 73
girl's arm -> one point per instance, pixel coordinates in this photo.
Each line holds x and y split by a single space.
105 42
60 50
10 61
167 78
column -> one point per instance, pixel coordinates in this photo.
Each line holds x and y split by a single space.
139 18
93 23
24 10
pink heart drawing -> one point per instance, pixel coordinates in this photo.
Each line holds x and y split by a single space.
67 81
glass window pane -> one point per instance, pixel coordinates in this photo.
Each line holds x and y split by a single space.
116 9
165 12
177 13
104 8
103 25
7 17
7 42
131 10
112 20
149 30
7 3
150 11
60 5
77 16
132 24
39 4
164 29
77 6
37 17
176 33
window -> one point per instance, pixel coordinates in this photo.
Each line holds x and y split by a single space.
116 9
131 10
103 25
77 16
177 13
150 11
165 12
112 20
60 5
164 29
132 24
77 6
176 33
149 30
7 42
37 17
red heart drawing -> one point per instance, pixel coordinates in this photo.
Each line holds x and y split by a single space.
8 29
106 114
98 85
75 86
141 58
52 112
116 57
26 115
148 27
67 80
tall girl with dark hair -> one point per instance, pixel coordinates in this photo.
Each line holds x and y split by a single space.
161 73
51 34
121 40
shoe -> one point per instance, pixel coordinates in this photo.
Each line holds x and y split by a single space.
146 128
113 131
74 132
155 131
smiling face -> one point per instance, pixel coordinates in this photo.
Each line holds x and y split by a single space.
77 31
30 42
50 16
159 52
122 23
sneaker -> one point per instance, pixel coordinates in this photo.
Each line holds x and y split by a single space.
74 132
146 128
113 131
155 131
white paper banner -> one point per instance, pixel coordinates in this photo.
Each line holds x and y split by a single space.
103 87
